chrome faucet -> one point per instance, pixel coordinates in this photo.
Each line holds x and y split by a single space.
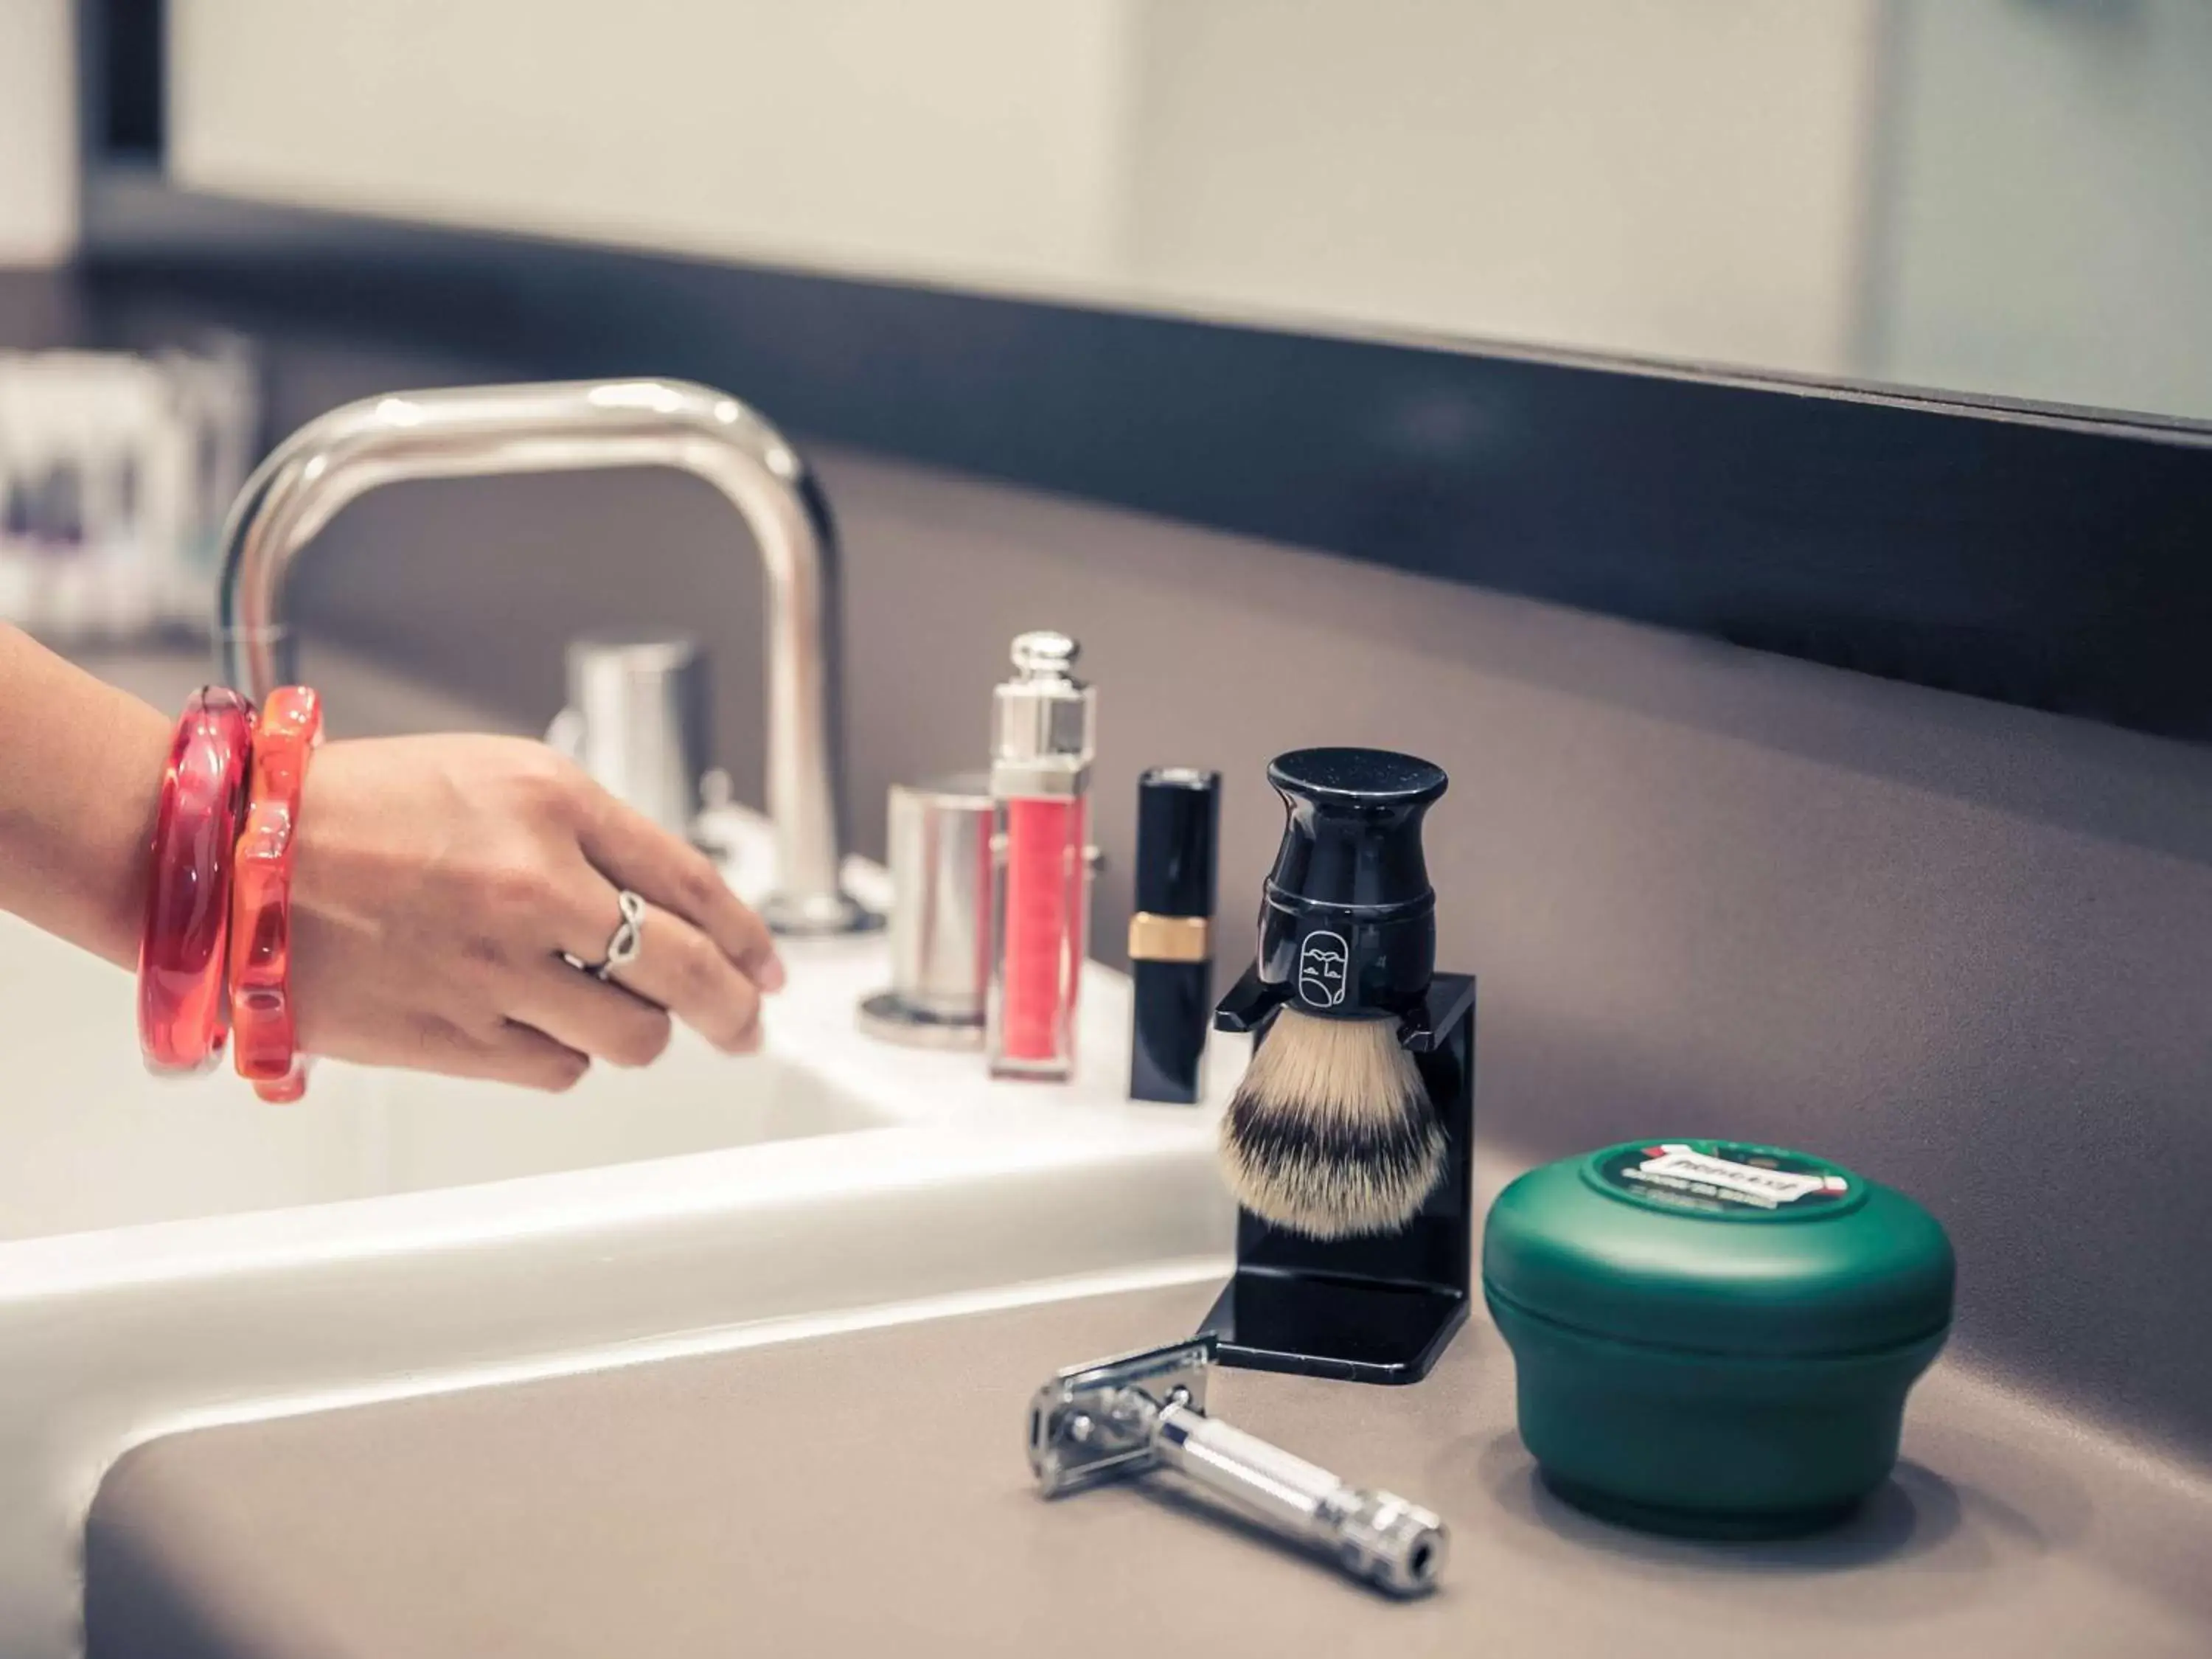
578 426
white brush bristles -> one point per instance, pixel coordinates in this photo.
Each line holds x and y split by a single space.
1331 1134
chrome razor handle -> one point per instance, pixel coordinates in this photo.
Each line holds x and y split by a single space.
1374 1535
1144 1411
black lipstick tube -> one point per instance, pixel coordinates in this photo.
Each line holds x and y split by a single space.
1172 934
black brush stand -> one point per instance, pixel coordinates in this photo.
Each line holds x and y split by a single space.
1379 1309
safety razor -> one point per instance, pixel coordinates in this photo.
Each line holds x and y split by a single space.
1141 1412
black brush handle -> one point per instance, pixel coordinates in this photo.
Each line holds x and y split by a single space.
1348 919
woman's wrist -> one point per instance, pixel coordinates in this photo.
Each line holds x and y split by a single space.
81 766
117 801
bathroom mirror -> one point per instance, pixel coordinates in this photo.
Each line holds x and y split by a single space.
1875 332
2009 198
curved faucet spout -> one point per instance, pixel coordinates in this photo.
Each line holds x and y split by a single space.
578 426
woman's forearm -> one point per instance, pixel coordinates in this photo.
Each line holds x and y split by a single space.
80 774
444 890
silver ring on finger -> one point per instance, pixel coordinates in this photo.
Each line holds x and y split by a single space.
626 942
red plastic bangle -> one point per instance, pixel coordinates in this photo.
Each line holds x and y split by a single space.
264 1034
183 1012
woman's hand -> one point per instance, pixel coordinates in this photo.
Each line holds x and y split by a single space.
438 880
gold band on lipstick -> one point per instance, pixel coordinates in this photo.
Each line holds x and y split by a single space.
1169 939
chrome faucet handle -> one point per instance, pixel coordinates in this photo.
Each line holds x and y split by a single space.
637 720
580 426
939 850
1147 1410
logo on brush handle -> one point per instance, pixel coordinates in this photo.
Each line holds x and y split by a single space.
1322 959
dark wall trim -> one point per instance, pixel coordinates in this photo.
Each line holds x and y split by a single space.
123 76
2052 557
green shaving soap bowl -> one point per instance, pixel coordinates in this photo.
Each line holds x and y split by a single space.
1713 1338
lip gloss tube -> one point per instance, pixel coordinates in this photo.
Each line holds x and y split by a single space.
1040 754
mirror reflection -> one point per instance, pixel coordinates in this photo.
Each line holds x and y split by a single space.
2003 197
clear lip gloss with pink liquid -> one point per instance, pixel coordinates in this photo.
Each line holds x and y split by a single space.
1041 723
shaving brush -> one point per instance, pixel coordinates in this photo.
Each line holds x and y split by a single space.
1332 1134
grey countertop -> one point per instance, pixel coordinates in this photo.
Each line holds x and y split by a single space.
867 1492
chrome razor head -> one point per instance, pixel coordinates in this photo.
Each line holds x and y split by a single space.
1095 1422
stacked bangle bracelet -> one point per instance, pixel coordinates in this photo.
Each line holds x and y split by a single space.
264 1045
183 1010
214 959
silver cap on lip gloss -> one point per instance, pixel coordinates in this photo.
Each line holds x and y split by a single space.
1042 721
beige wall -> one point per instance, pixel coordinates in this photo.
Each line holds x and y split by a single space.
37 132
976 138
1679 178
2050 231
1672 177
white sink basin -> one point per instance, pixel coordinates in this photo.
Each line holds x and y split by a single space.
94 1143
173 1252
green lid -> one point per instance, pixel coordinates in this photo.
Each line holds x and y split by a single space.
1719 1247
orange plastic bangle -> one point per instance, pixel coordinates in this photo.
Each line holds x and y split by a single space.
264 1028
